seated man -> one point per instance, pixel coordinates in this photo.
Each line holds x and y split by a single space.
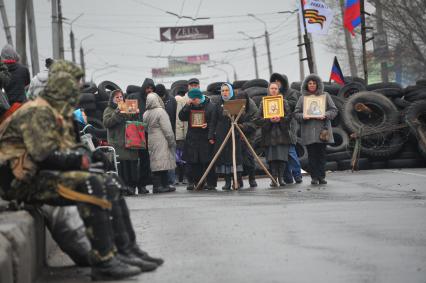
41 163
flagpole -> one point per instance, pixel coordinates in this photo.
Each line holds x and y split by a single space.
306 40
364 41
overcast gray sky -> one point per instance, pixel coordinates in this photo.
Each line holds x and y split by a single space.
126 33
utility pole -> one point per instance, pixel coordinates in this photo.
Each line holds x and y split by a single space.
82 64
314 62
32 34
72 41
21 35
256 68
349 46
299 41
307 42
61 32
5 23
383 54
364 40
55 30
268 49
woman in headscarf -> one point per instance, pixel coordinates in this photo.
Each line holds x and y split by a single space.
115 122
161 143
197 150
223 124
276 137
312 127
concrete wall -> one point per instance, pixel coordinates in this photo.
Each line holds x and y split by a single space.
22 246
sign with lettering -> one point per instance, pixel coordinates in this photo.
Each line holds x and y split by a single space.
186 33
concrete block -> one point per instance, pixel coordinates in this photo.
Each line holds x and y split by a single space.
18 228
6 267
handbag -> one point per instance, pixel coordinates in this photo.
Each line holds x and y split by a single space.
135 135
324 135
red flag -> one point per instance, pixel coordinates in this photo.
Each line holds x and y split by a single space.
352 15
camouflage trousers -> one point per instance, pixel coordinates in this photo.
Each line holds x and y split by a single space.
107 229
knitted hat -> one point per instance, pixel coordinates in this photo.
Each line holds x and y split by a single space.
195 93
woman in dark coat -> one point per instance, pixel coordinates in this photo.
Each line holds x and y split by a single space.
115 123
224 162
311 127
276 137
198 148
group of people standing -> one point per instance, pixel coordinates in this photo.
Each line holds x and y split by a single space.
178 148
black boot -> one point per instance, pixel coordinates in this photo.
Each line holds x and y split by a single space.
165 181
113 269
130 258
145 256
240 181
252 179
157 184
227 186
142 190
280 173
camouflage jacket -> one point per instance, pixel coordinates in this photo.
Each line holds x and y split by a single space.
33 132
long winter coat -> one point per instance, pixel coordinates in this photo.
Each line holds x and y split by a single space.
197 148
181 126
310 129
223 124
276 133
161 143
115 123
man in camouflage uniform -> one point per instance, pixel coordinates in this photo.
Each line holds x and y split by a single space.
41 163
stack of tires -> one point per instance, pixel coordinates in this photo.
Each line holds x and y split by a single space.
393 125
94 99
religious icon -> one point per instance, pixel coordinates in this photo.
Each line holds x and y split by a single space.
130 106
197 118
314 106
273 106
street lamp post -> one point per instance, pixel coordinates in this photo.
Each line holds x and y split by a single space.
82 63
72 38
268 48
256 69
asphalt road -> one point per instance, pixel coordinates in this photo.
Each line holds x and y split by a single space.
367 226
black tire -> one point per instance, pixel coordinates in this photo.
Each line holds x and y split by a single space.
215 99
362 164
238 84
256 91
132 89
331 166
106 86
372 87
349 79
421 83
340 103
350 89
405 163
401 103
257 100
416 117
101 105
338 156
407 155
89 87
215 87
87 106
382 146
302 153
419 94
378 165
179 90
296 85
384 112
97 123
179 83
332 88
341 141
390 92
86 98
256 82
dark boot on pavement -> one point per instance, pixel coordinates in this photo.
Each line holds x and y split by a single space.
252 179
142 190
227 186
322 181
298 179
190 187
314 181
145 256
280 173
240 181
113 269
273 168
131 259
